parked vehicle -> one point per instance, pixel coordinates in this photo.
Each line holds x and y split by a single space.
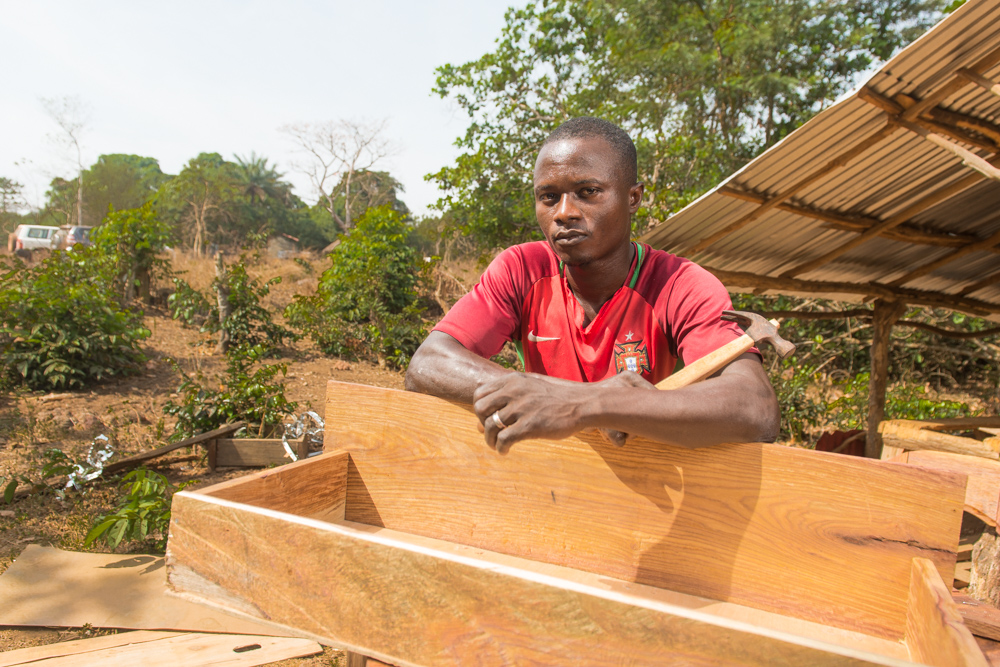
67 237
31 237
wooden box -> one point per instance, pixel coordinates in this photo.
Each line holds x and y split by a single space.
410 541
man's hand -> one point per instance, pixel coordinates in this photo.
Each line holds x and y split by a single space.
536 406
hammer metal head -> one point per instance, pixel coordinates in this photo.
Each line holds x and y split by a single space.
761 330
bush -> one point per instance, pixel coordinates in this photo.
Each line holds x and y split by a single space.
247 394
189 305
144 514
902 401
60 326
132 240
366 303
248 323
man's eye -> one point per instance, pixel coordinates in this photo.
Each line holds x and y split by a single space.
589 191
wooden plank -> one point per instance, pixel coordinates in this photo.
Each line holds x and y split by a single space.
935 633
910 436
25 655
982 619
315 488
189 649
253 452
982 493
721 522
408 600
133 461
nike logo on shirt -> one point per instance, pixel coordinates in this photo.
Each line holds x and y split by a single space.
539 339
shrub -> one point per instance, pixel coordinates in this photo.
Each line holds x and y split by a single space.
188 305
60 326
132 240
902 401
248 323
248 393
366 303
144 514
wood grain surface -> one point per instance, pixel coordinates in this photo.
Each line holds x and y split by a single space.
981 618
253 452
935 634
982 493
409 600
816 536
314 487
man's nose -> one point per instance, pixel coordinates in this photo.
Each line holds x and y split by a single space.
566 209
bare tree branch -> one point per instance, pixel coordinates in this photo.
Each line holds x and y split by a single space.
335 152
71 117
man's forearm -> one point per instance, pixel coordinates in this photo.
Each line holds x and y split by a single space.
729 408
443 367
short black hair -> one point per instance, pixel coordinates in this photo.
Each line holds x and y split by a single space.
621 143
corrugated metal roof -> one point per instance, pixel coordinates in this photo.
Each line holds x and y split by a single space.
887 179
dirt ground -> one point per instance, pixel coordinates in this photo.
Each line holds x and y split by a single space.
130 411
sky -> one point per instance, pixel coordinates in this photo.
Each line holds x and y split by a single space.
170 80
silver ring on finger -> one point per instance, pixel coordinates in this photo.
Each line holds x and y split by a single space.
496 420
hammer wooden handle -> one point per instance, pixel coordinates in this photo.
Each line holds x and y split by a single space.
710 363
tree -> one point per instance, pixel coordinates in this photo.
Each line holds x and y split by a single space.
11 203
69 114
119 181
702 86
337 151
202 199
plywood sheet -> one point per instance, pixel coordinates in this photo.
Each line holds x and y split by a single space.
410 600
51 587
817 536
166 650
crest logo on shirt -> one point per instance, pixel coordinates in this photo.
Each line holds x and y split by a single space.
632 356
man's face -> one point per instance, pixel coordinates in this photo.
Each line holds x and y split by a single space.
582 202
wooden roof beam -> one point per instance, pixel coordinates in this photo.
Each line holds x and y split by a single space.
985 282
836 163
934 198
986 244
935 133
979 80
904 233
966 122
956 83
876 290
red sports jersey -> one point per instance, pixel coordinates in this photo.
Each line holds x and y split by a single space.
668 307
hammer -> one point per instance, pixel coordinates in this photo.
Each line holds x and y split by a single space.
758 330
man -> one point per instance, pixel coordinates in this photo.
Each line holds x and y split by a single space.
597 318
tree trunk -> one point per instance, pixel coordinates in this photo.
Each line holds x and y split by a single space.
225 308
145 285
79 198
884 315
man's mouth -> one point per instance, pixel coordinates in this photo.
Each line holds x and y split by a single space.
568 237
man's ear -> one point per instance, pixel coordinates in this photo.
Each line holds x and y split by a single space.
635 197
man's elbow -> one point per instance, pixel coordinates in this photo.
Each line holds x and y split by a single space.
769 421
415 372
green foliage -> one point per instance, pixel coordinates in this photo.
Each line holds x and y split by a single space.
54 463
60 326
826 384
248 324
366 303
144 514
188 305
902 401
249 393
702 87
132 240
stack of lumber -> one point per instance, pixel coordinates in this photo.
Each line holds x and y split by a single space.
411 542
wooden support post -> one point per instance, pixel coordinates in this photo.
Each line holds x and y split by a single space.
884 316
222 294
